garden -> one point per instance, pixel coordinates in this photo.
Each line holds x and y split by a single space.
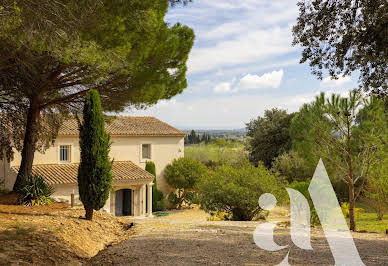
349 133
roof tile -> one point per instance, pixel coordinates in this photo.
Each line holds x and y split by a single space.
57 174
127 126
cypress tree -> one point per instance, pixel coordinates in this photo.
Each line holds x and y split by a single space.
95 169
157 195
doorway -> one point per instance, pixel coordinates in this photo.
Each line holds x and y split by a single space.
123 202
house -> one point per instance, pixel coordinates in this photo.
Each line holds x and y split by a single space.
135 140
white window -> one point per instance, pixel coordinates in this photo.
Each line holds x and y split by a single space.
146 151
64 153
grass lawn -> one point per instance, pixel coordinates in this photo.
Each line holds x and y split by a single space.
367 220
212 152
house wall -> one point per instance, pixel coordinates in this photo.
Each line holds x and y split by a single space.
7 178
163 151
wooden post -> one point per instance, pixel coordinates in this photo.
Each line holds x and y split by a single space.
72 199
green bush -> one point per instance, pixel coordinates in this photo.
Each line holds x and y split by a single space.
219 216
173 198
192 197
36 191
161 205
303 188
235 189
345 210
183 174
292 167
157 195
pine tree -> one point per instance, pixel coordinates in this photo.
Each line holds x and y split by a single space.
95 169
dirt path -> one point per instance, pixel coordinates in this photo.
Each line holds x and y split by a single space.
186 238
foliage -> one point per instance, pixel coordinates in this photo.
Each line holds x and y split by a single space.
219 216
236 188
292 166
195 138
376 193
161 205
345 210
269 136
348 133
95 169
192 198
36 191
302 187
173 199
183 174
345 36
213 154
366 220
157 195
150 168
49 62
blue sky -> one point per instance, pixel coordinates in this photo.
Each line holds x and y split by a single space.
242 63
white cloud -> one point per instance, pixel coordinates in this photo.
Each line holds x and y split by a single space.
270 80
328 82
232 33
246 48
223 30
223 87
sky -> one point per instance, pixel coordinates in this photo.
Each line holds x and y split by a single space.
242 63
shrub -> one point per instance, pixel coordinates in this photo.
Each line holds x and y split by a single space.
376 193
219 216
235 189
161 205
303 187
36 191
173 199
292 167
345 210
183 174
157 195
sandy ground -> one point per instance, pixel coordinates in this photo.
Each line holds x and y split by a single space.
187 238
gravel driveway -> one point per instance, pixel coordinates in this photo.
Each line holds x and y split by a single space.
186 238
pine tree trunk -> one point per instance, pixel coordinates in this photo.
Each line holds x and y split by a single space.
352 204
352 200
88 213
29 144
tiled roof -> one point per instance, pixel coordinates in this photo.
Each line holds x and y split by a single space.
127 126
56 174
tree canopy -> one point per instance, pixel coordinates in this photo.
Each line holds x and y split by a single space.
269 136
348 133
50 60
343 36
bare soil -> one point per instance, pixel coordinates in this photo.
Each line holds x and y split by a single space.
55 234
187 238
